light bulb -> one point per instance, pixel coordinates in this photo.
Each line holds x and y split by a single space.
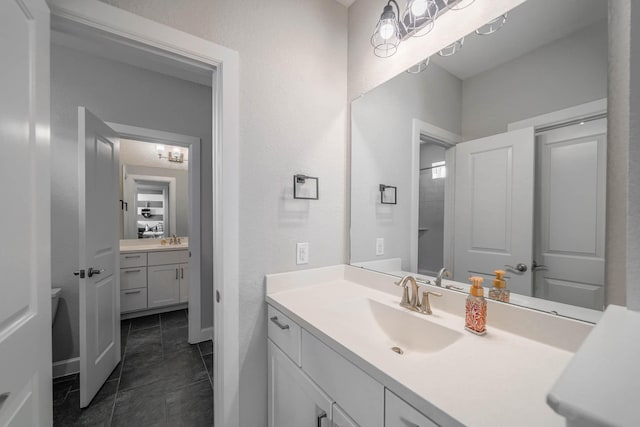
387 29
159 148
419 7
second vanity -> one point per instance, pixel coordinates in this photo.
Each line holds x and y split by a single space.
153 277
342 352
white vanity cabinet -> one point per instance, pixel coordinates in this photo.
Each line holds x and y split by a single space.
154 279
310 384
294 400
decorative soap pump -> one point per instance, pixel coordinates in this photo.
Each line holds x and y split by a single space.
499 291
476 315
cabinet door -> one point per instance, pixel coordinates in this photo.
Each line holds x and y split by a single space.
399 413
163 285
341 419
294 400
184 282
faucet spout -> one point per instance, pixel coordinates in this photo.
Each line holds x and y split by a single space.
442 273
414 302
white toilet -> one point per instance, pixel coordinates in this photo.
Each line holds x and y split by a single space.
55 299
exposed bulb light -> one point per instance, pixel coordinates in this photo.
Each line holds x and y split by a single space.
457 5
492 26
418 7
419 67
452 49
159 148
420 17
386 37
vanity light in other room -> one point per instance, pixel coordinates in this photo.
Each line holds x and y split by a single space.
492 26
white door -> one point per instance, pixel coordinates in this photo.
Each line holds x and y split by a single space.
293 399
494 182
25 305
571 214
99 253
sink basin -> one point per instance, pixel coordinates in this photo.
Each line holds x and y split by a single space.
397 328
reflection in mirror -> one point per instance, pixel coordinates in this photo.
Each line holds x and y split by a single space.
498 153
154 190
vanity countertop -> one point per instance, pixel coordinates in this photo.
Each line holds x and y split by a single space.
154 247
500 379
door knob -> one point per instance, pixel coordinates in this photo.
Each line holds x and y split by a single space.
520 267
538 267
3 398
93 271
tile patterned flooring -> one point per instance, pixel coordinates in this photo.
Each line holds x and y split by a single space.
162 380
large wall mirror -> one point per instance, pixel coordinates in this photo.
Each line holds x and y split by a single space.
498 156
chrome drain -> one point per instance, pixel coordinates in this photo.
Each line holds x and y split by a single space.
397 350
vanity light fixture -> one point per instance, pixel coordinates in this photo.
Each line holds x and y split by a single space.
452 49
492 26
388 194
418 19
419 67
176 156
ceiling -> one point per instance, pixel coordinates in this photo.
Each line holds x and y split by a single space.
531 25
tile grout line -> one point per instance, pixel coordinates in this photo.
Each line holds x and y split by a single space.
164 407
115 396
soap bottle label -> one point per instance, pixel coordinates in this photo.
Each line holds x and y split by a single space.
476 316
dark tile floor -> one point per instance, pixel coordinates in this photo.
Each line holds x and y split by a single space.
162 380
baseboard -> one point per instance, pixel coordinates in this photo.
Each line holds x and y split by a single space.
66 367
147 312
206 334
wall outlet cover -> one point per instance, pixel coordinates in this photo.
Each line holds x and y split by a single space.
379 246
302 253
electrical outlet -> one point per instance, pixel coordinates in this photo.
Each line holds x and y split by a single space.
302 253
380 246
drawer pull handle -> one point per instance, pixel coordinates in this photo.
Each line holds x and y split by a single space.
275 320
181 273
132 292
133 271
320 418
132 256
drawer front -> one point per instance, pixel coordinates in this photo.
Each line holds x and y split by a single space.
284 333
133 299
168 257
357 393
400 413
341 419
133 259
132 278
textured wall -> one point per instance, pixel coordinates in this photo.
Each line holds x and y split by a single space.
633 212
127 95
293 115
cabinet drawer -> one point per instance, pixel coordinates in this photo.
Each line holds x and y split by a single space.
168 257
284 333
133 299
340 419
133 259
132 278
400 413
357 393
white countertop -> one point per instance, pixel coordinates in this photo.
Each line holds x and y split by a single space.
601 385
152 247
500 379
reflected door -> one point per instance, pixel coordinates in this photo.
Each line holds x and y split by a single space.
570 214
493 212
99 253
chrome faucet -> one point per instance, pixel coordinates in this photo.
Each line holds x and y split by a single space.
414 302
445 273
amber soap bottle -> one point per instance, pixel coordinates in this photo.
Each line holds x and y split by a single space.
476 313
499 292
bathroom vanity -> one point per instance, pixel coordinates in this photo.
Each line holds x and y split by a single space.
342 352
153 277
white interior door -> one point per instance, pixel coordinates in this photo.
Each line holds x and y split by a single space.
25 305
570 214
99 253
493 212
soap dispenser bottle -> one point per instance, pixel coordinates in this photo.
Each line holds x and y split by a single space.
499 291
476 315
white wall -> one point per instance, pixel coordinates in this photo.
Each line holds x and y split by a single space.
565 73
293 115
381 150
127 95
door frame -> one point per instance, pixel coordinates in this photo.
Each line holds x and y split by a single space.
109 22
449 139
193 144
170 184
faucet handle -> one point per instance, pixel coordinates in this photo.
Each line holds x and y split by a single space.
425 307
